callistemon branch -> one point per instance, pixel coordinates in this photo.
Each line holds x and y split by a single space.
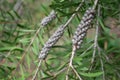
52 40
79 36
49 18
82 28
44 22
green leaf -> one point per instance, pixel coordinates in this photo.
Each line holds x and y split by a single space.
11 48
96 74
22 72
35 47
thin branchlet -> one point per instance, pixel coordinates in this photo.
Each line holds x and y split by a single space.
83 27
49 18
52 40
79 35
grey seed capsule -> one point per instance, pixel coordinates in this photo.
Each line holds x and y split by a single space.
83 27
49 18
52 40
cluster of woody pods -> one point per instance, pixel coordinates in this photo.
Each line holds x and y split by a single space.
78 36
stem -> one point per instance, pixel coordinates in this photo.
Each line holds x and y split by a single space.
101 61
26 50
36 72
77 9
95 4
76 73
70 63
96 36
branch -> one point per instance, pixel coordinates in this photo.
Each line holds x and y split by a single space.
95 4
36 72
96 37
87 50
70 63
73 15
27 49
95 45
76 73
80 34
102 66
59 33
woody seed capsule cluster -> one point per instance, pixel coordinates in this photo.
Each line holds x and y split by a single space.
49 18
83 27
52 40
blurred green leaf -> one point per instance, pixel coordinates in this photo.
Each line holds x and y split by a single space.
96 74
11 48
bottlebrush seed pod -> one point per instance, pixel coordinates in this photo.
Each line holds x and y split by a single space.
52 40
49 18
52 14
83 27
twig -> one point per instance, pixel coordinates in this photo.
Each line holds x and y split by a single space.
42 56
101 61
95 4
59 72
96 36
67 73
73 15
36 72
87 50
71 66
95 45
70 63
81 33
76 72
72 55
31 42
26 50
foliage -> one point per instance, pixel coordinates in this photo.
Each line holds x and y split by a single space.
22 38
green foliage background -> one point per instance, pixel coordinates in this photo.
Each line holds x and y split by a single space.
18 27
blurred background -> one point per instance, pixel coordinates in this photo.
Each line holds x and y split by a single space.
19 21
